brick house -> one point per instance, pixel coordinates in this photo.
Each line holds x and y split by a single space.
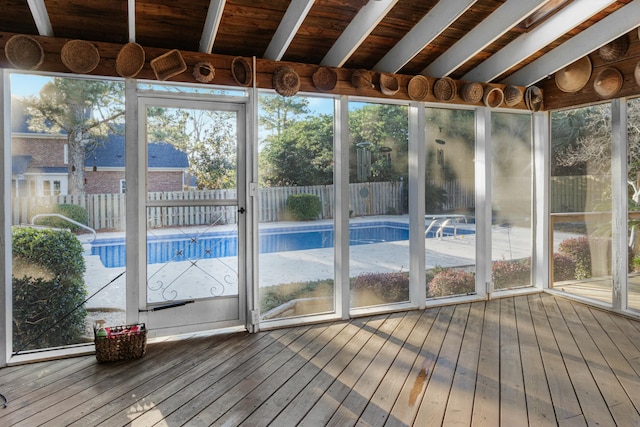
40 164
105 167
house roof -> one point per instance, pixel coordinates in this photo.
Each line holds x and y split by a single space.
520 42
111 154
19 164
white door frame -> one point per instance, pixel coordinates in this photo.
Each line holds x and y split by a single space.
192 316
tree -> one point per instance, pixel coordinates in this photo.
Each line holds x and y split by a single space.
380 129
84 110
278 112
589 147
301 155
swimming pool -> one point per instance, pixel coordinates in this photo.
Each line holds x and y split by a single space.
219 244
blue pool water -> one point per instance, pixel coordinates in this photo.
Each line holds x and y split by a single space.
223 244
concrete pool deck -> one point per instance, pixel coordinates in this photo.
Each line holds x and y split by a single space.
303 265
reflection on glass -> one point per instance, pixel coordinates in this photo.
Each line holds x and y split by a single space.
450 203
295 206
379 224
511 232
68 159
581 201
633 170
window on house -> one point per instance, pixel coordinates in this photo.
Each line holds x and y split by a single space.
46 188
56 188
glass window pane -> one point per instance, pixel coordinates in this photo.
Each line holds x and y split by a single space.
379 222
511 231
581 201
633 169
63 166
450 203
192 248
295 206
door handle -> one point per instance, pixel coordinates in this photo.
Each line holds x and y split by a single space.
241 210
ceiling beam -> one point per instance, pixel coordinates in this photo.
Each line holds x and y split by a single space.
293 18
511 13
430 26
211 24
131 17
357 31
529 43
610 28
41 17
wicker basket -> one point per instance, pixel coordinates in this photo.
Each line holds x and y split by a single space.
325 79
121 343
444 89
472 92
168 65
418 87
24 52
512 96
80 56
615 49
493 97
130 60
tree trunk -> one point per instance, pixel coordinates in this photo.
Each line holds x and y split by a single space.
76 145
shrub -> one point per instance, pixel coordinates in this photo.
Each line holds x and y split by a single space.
380 288
74 212
578 250
277 295
303 207
48 284
451 281
563 268
507 274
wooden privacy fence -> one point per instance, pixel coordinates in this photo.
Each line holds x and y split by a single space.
107 211
580 193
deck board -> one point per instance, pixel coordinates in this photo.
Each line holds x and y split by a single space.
513 405
594 408
526 360
538 397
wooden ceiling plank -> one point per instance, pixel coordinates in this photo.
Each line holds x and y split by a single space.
495 25
529 43
41 17
293 18
211 24
357 31
424 32
610 28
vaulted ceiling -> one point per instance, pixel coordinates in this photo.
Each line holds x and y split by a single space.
517 42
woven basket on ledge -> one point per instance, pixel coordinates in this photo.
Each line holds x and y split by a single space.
168 65
444 89
130 60
24 52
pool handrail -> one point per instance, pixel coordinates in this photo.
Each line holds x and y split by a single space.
43 215
440 232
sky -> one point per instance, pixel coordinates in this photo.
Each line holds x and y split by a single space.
24 85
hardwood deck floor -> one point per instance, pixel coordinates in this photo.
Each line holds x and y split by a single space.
528 360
